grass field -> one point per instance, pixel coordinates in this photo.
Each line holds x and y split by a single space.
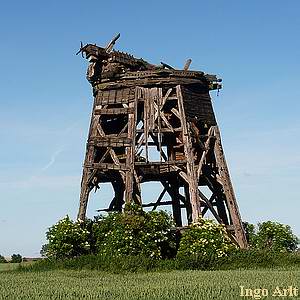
87 284
8 266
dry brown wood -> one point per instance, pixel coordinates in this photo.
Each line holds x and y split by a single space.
210 206
159 199
204 153
112 111
129 177
188 150
146 121
228 191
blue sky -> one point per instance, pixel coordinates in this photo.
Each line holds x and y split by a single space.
46 100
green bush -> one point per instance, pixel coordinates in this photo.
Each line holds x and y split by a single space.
276 237
135 232
205 240
16 258
67 239
2 259
238 259
151 234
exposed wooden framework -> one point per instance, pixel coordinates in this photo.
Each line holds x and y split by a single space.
140 109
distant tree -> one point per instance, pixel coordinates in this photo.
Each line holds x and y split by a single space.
2 259
250 234
276 236
44 250
16 258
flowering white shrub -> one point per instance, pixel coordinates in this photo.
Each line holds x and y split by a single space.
135 232
205 239
67 239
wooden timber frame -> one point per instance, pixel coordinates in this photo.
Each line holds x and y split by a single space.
139 109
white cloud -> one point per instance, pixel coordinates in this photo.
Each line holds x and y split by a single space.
53 158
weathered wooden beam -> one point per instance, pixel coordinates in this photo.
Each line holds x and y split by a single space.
205 151
209 205
155 204
162 130
228 191
129 177
188 150
108 166
159 199
176 206
113 111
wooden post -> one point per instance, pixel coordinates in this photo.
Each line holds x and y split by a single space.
172 188
129 177
228 191
85 185
188 150
188 204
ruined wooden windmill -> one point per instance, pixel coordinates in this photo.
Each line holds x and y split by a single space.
140 109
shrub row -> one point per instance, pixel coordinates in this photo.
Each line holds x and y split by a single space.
238 259
136 232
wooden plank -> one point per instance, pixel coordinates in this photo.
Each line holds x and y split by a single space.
166 121
164 99
210 206
181 173
162 130
110 142
86 174
175 112
146 121
100 130
112 111
159 199
228 190
188 204
85 187
129 176
157 143
159 136
204 153
107 166
155 204
152 105
118 96
191 174
163 163
173 190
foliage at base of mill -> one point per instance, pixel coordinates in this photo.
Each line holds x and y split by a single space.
135 232
151 234
67 239
205 239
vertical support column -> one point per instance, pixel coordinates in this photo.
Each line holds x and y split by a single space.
188 150
89 158
228 191
129 176
85 188
188 204
175 202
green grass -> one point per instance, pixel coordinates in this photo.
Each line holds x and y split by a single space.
14 266
239 260
193 284
8 266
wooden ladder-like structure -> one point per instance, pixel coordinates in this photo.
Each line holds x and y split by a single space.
131 123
